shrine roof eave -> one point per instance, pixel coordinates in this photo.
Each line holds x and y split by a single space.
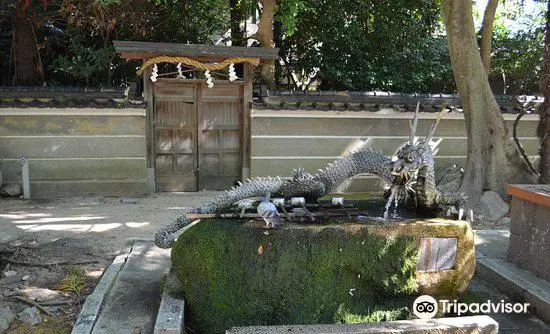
147 50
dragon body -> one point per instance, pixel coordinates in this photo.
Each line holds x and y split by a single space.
410 170
303 184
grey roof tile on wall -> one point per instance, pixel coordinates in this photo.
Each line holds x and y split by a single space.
68 97
359 101
377 100
70 103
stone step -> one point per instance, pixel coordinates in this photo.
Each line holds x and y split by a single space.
170 316
518 284
481 324
128 296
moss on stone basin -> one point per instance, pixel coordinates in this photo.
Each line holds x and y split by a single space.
236 273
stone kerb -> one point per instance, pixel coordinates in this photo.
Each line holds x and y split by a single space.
481 324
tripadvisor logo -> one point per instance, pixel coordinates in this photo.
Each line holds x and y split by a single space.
425 307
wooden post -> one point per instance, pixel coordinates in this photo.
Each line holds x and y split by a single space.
199 88
149 130
26 178
247 99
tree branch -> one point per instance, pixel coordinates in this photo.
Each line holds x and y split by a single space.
32 302
487 34
51 264
520 147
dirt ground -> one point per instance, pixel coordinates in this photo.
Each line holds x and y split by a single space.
53 252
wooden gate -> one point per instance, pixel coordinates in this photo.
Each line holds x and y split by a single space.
197 134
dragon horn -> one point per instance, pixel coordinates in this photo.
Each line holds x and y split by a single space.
431 132
414 123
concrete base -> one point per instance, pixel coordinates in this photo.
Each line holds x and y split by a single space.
481 324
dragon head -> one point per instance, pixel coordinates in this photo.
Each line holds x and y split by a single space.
409 158
414 154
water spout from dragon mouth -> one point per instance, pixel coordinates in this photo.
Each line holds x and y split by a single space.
394 197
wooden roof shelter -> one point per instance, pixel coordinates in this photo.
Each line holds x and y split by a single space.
197 128
146 50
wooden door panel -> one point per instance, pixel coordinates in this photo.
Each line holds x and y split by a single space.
184 141
197 134
175 133
185 163
209 165
231 139
209 141
176 91
175 113
175 183
231 163
164 164
220 160
221 114
222 93
163 140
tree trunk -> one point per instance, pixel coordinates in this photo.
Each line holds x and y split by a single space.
487 34
237 18
265 36
237 32
543 129
277 40
25 57
493 159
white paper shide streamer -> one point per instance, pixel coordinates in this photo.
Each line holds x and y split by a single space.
155 73
180 72
232 75
209 79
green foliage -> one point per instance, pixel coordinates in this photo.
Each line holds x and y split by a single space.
74 282
5 40
342 45
365 45
379 314
301 275
195 22
518 46
518 58
75 36
287 12
86 63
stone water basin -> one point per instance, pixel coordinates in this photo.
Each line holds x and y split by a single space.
237 273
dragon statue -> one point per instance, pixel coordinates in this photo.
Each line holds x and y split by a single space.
410 171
